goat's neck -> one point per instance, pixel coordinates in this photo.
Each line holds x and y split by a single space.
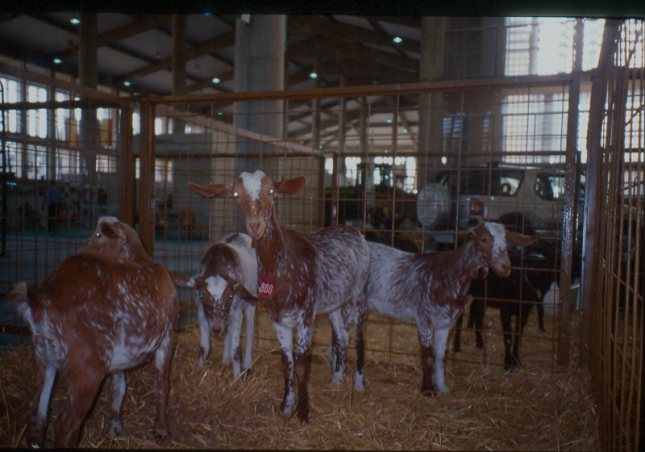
271 246
469 260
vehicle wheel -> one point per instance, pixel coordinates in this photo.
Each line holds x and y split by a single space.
516 222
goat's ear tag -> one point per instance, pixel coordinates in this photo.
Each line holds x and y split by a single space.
266 285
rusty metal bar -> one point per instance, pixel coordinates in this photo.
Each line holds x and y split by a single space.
127 181
568 226
592 200
63 85
376 90
147 177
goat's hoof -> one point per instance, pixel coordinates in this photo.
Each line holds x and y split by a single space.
428 392
303 417
116 429
286 410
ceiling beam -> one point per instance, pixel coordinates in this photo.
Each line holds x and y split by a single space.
324 26
211 46
124 32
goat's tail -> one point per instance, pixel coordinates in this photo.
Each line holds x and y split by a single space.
19 298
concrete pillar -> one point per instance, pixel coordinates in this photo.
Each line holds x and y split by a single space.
178 64
88 76
259 66
433 45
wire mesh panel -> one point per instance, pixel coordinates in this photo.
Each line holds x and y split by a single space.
616 292
60 172
497 155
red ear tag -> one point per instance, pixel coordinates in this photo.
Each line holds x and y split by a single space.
266 285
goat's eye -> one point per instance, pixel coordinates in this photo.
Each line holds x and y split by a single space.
230 295
201 296
270 191
236 194
98 234
484 240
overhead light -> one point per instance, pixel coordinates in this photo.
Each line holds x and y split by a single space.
75 20
57 61
220 113
215 80
127 83
313 75
388 120
397 40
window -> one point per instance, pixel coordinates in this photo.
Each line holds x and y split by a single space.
36 162
107 164
163 170
12 93
67 163
14 158
37 119
544 46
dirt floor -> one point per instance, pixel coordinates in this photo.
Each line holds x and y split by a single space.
539 407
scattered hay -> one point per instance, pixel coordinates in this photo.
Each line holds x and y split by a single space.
533 408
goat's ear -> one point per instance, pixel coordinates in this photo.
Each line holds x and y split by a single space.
290 186
182 280
244 293
515 238
213 190
108 230
469 235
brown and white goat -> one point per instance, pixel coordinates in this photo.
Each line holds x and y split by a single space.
225 285
431 288
107 309
301 275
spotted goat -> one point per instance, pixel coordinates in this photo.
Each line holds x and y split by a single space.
103 311
301 275
226 284
431 288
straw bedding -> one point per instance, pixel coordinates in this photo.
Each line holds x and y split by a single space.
535 408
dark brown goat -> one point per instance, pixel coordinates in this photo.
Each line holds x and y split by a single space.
431 288
107 309
301 275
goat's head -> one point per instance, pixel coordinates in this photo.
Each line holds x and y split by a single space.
490 241
216 294
114 238
254 194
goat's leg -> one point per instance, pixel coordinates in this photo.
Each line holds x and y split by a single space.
163 356
285 338
505 317
204 335
540 312
45 375
340 340
440 340
249 311
305 331
427 356
477 313
457 343
117 390
84 383
359 343
232 340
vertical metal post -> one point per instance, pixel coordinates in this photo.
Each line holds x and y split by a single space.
127 168
592 195
568 226
147 177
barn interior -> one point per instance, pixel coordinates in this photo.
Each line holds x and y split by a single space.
408 128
